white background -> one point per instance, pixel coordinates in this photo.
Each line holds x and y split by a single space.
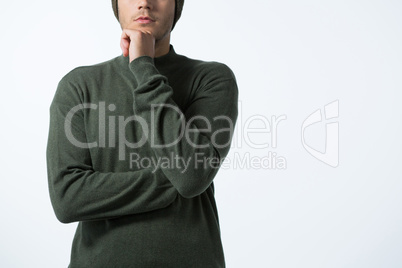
290 58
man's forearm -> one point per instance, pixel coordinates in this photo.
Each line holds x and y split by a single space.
208 139
79 195
79 192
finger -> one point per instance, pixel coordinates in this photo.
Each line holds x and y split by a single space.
125 43
123 48
124 34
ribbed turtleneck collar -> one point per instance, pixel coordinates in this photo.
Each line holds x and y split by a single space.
165 59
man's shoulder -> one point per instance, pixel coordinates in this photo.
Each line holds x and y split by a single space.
94 71
212 69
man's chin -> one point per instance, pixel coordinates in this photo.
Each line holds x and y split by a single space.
142 27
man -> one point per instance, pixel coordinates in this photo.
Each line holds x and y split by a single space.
134 145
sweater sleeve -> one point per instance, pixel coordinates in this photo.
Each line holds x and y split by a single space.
201 135
80 193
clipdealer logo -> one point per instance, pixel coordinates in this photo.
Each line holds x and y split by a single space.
241 136
114 126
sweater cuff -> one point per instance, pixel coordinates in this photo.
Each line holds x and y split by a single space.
143 68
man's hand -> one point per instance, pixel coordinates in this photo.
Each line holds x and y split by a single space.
136 43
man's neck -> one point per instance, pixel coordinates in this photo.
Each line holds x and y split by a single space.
162 46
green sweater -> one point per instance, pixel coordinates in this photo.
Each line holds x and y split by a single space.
139 203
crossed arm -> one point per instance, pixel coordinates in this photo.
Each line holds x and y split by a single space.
80 193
